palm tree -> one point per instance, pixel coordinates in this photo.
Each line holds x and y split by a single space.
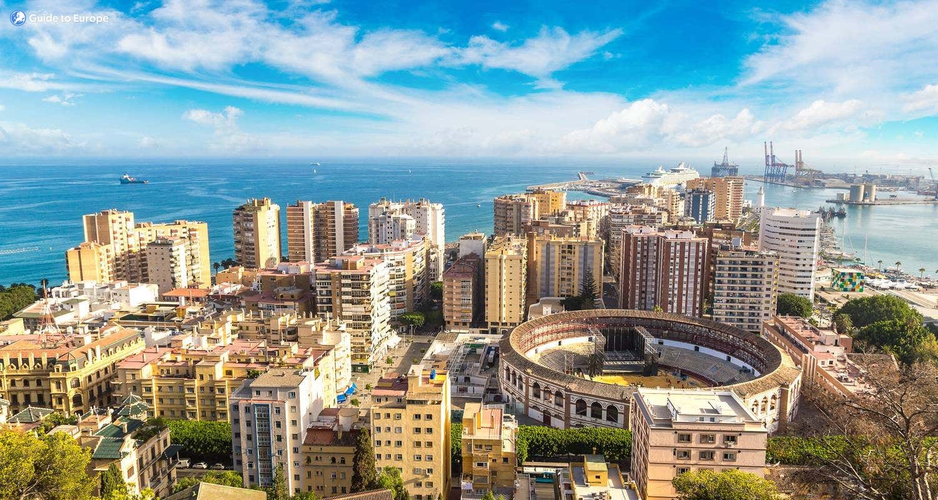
898 266
216 266
921 272
880 262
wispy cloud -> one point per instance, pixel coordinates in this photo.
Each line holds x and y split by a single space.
500 26
228 136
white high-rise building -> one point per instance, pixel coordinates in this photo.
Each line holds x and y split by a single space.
795 236
390 220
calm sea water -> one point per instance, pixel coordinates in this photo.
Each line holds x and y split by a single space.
42 205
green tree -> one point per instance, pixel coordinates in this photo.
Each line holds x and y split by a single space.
588 292
207 441
49 467
904 340
413 319
868 310
390 479
436 290
790 304
224 478
14 298
252 373
455 440
843 323
112 481
278 488
488 495
730 484
364 470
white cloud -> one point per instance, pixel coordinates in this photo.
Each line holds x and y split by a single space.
553 49
147 142
29 82
922 101
850 47
20 139
821 113
65 99
500 26
228 136
647 124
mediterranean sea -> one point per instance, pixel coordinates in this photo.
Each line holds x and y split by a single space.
42 205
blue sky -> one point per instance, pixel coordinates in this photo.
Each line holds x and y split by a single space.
847 82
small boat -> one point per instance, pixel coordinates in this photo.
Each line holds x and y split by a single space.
127 179
316 163
314 170
479 205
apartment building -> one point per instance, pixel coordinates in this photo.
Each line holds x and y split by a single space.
195 382
474 242
826 358
666 269
666 199
557 267
489 452
506 271
408 280
356 291
115 249
682 430
410 429
621 217
463 293
795 236
328 452
389 221
67 374
139 447
257 233
269 418
699 204
745 286
167 266
513 212
590 212
318 231
727 193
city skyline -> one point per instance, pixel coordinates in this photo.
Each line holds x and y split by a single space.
846 82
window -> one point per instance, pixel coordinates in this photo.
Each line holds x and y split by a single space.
706 455
683 438
581 407
729 439
683 454
729 456
708 438
682 470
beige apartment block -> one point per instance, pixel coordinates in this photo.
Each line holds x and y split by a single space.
728 195
795 236
196 382
257 233
514 212
590 212
329 452
406 260
410 428
549 202
682 430
69 375
115 248
506 270
557 267
356 291
90 261
167 266
463 292
745 286
318 231
489 453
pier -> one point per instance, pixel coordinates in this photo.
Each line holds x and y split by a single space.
891 201
604 187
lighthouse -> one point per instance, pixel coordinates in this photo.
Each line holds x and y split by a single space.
760 200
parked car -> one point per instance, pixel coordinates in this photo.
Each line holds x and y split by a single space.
200 465
218 467
184 463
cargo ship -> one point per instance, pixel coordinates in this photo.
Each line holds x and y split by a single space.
127 179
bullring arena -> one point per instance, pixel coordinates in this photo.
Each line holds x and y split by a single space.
556 369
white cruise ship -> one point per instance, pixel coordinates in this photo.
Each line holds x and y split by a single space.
678 175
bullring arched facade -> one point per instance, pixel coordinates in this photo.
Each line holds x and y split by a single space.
565 401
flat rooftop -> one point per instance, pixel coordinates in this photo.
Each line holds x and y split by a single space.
668 406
